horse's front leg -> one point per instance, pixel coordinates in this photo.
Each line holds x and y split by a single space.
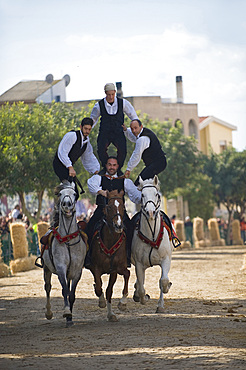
47 287
72 297
164 283
65 290
98 288
139 285
123 300
109 291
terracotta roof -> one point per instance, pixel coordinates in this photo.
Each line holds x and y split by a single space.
202 118
27 91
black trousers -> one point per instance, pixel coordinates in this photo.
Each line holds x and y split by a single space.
153 169
63 173
104 139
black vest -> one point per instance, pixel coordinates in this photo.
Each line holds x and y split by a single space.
111 123
76 150
154 152
107 184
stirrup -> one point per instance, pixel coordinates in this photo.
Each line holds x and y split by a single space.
38 264
176 242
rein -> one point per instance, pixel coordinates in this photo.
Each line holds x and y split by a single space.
68 237
116 214
153 243
116 246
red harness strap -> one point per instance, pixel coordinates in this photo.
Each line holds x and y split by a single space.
157 242
114 248
65 238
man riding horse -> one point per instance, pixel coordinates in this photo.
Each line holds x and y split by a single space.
99 185
74 145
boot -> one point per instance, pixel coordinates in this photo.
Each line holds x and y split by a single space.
55 215
87 263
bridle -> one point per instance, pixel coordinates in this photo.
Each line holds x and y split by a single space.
67 229
156 205
116 214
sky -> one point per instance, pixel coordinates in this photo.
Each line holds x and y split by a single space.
144 44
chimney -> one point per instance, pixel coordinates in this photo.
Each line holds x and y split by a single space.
119 91
179 89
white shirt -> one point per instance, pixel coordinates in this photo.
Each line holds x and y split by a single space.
94 185
112 109
142 143
88 158
15 213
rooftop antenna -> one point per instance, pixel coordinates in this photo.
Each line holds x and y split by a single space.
67 80
49 79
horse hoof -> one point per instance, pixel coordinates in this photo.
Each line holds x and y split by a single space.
49 316
67 313
102 304
112 318
145 299
136 298
166 286
160 310
122 306
69 324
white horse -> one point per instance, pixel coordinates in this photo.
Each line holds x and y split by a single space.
151 244
65 258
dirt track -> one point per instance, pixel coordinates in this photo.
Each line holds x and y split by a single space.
204 325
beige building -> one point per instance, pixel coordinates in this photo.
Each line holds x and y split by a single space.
215 134
163 109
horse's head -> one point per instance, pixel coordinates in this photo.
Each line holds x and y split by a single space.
114 210
151 198
68 197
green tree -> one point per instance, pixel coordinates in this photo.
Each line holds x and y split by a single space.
181 152
228 175
29 138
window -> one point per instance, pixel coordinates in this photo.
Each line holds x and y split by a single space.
223 145
193 128
180 122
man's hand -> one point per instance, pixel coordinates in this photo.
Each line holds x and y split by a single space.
104 193
124 127
72 171
127 174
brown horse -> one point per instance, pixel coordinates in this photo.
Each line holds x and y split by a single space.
109 252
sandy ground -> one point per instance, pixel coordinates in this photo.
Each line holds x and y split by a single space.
204 325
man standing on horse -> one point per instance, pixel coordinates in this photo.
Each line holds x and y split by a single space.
112 110
148 148
75 145
99 185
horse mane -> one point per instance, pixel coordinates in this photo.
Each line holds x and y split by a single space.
155 182
63 185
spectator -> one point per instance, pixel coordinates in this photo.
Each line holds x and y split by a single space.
15 213
173 219
243 229
188 230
